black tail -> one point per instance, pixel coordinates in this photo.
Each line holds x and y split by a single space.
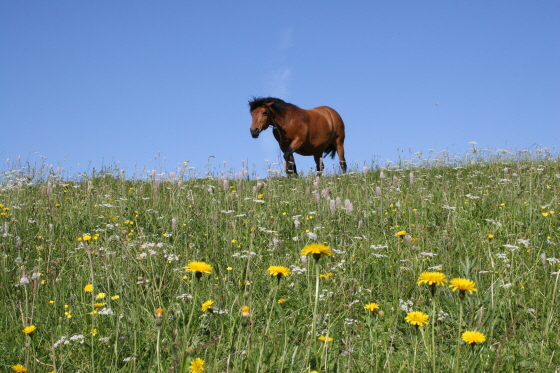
331 150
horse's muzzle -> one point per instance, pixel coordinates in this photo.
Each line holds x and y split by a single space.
255 132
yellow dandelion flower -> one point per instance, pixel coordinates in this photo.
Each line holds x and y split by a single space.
472 337
84 238
326 276
197 366
371 307
282 301
199 268
99 304
400 234
158 313
115 297
325 339
93 332
88 288
317 250
29 329
19 368
490 236
207 306
100 296
278 271
417 318
463 284
432 278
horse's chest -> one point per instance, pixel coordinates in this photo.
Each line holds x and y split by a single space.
283 139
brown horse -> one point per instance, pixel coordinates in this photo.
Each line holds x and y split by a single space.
316 132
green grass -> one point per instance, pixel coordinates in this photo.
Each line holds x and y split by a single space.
149 230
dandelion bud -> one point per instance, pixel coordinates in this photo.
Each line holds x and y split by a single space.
245 314
159 316
18 260
381 314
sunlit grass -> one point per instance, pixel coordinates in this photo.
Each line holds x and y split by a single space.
113 274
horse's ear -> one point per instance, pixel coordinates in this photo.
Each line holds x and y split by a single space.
269 104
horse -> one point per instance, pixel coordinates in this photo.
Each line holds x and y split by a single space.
317 132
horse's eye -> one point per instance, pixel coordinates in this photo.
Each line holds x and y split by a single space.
265 113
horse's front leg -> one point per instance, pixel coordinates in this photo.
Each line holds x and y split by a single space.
289 157
290 165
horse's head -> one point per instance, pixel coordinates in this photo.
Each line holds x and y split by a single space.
262 118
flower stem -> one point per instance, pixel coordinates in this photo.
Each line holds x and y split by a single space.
157 348
315 307
433 336
459 336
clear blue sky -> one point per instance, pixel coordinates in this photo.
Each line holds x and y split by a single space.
86 83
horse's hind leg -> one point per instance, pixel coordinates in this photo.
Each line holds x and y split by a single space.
340 151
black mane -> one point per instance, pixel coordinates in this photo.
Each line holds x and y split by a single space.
279 105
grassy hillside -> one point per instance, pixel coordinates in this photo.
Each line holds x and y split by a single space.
98 266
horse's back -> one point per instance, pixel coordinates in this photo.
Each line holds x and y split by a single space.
333 119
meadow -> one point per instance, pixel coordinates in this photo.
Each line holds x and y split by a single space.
171 273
